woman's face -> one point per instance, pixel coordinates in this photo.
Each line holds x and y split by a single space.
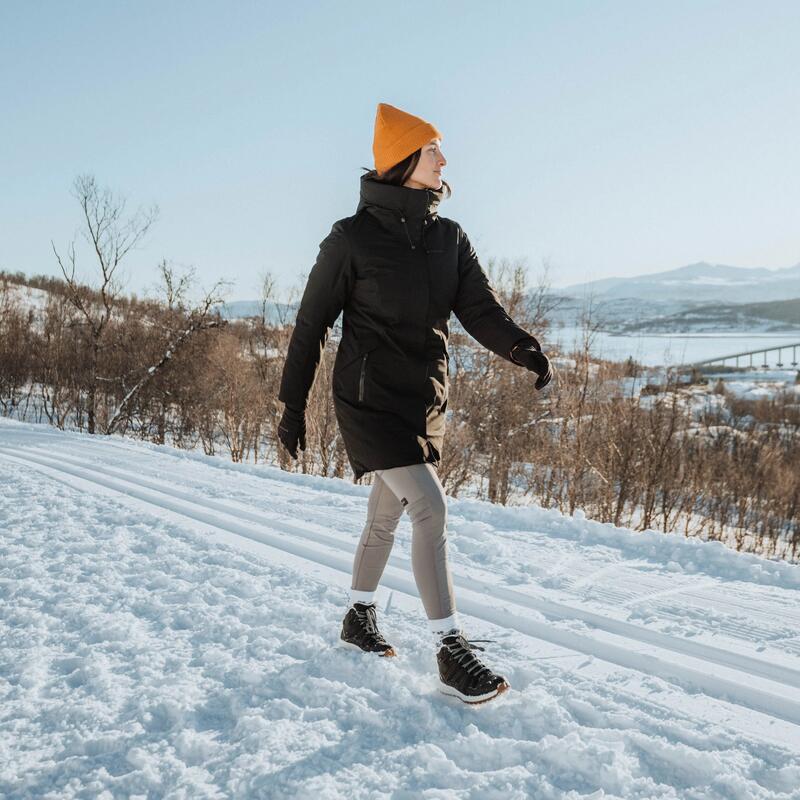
428 172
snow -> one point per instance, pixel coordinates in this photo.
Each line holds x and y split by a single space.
26 297
169 623
755 390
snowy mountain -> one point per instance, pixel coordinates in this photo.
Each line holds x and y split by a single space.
699 282
169 625
770 317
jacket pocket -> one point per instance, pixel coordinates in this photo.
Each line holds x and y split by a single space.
351 372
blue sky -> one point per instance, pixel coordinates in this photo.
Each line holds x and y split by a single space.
607 138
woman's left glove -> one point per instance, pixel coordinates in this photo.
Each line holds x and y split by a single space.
292 430
528 355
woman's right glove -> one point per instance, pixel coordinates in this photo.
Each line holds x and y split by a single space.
292 430
528 354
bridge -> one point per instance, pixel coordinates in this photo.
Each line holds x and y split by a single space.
748 355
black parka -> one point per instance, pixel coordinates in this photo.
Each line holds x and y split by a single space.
397 270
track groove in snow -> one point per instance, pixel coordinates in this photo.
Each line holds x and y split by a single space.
555 611
653 659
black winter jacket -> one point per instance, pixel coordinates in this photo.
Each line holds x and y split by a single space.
397 270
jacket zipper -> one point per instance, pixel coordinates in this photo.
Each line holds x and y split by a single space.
413 246
362 377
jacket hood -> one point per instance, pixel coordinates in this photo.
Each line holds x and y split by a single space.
415 204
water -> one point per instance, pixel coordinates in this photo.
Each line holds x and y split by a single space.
677 348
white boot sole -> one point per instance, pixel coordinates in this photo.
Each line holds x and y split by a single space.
351 646
472 699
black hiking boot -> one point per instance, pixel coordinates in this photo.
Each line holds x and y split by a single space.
462 674
360 630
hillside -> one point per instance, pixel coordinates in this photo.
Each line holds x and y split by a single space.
769 317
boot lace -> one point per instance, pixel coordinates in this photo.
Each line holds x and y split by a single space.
367 617
461 651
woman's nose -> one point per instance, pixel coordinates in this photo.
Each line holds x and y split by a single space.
442 159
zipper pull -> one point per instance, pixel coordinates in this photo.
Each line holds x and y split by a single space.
362 377
413 246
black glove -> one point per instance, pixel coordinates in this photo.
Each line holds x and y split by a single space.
292 429
528 354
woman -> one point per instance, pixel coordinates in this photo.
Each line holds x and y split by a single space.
397 270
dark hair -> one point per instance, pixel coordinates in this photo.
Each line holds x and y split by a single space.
401 172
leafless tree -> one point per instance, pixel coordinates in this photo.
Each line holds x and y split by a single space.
174 286
111 236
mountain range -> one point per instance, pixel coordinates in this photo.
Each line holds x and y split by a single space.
700 282
699 297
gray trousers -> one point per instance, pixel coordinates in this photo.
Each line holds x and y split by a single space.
416 489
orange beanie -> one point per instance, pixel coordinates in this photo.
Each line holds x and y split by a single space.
397 135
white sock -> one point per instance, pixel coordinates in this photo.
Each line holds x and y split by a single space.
361 597
441 627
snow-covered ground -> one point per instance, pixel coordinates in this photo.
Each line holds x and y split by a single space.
25 297
752 385
168 625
